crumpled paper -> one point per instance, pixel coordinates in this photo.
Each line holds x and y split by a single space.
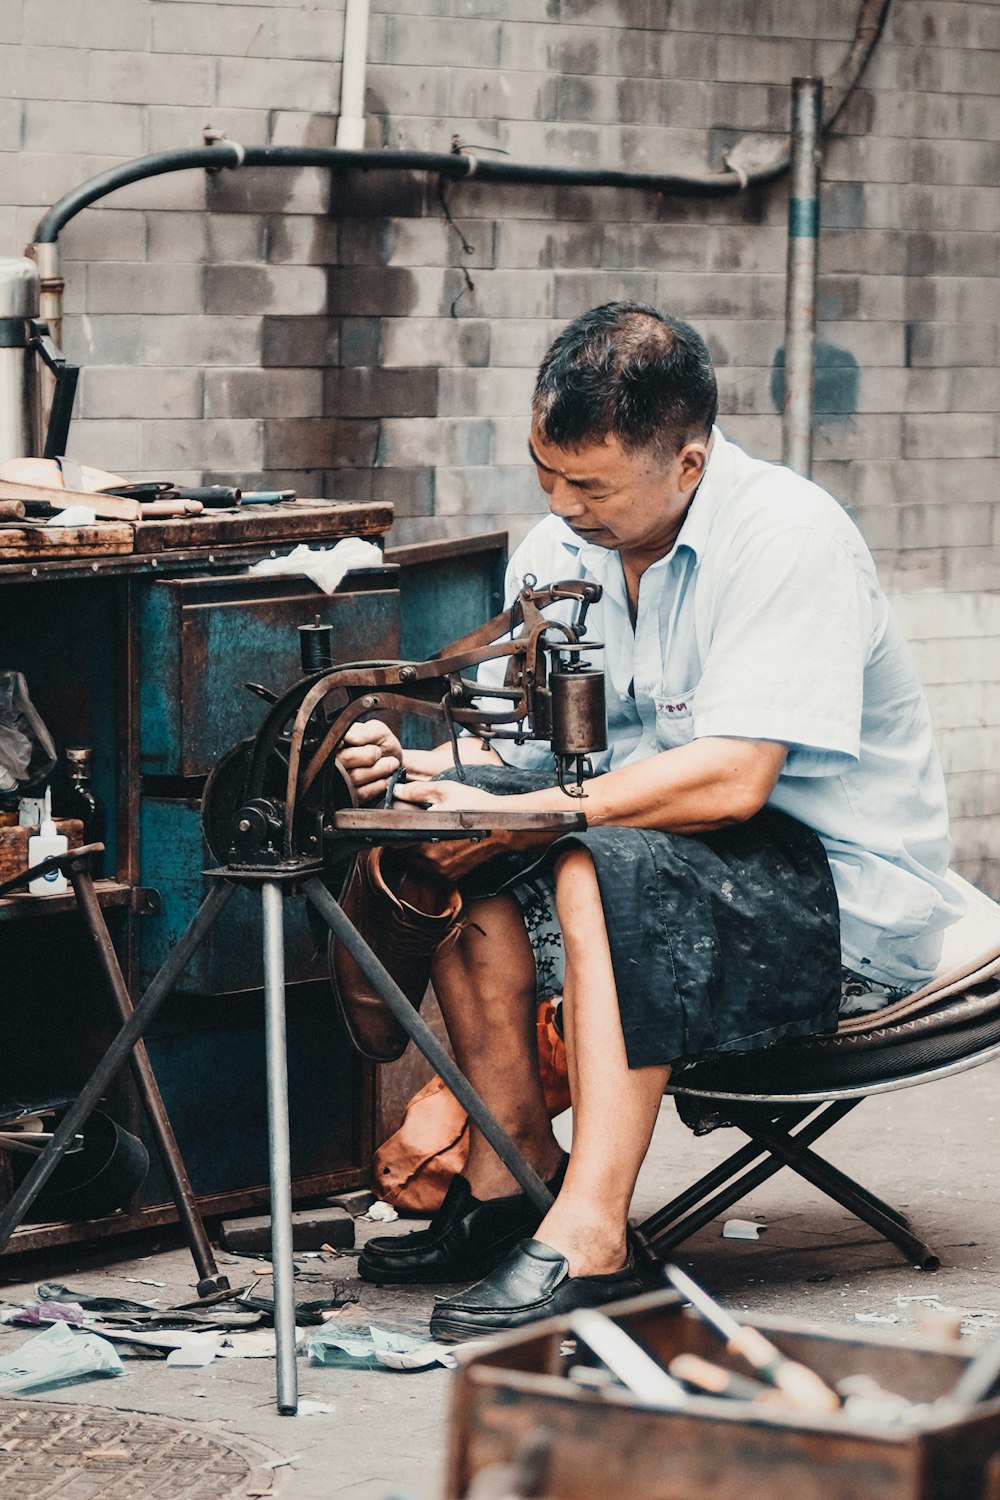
324 568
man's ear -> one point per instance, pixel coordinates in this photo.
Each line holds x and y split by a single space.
692 459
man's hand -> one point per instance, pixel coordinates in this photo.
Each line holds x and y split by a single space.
371 753
453 858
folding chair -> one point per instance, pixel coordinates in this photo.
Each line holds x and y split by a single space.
785 1097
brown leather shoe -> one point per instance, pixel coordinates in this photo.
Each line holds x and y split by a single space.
404 917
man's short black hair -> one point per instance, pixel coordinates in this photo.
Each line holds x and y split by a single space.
627 370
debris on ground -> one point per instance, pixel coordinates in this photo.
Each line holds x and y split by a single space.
57 1356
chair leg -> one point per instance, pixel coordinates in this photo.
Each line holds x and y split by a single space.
850 1195
671 1225
772 1136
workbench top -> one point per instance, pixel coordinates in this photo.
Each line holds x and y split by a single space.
234 536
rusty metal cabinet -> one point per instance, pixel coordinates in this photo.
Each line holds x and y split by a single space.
146 659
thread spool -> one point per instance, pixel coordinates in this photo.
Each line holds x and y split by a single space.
316 646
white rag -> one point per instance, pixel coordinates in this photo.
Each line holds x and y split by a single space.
324 568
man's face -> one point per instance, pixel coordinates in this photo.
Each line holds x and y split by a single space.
631 502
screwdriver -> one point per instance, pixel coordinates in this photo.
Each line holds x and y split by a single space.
802 1388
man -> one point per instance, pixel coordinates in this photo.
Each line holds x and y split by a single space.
770 770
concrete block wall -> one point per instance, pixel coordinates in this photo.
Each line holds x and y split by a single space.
368 335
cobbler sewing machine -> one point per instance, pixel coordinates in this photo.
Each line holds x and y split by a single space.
280 817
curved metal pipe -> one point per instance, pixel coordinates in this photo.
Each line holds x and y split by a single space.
462 165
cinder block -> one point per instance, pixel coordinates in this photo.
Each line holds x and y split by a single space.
962 615
411 491
11 117
116 25
421 41
950 344
416 91
104 341
462 342
952 299
384 291
534 245
201 341
246 289
304 190
127 391
285 84
766 61
497 490
966 749
112 445
295 127
38 72
111 235
319 443
452 440
172 190
310 341
138 78
367 392
221 445
144 288
263 393
576 291
312 1228
973 796
170 126
522 341
952 434
952 253
11 20
495 393
213 30
293 240
491 93
972 567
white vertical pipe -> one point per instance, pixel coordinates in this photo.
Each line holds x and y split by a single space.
351 122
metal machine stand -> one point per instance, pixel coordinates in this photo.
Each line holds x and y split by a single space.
76 865
275 886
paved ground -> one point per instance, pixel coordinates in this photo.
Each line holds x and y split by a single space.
932 1150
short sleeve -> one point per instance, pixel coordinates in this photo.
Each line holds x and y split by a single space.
790 637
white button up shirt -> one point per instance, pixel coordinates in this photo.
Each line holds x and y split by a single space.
766 621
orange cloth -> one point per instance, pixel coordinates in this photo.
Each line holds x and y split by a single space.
413 1168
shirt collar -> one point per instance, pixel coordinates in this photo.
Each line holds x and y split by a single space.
695 528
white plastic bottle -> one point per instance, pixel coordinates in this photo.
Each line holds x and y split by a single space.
45 842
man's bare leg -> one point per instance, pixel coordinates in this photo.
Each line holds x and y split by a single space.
614 1106
486 990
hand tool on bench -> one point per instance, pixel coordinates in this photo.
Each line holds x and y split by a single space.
110 507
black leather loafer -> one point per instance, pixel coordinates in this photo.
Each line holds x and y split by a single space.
532 1283
466 1238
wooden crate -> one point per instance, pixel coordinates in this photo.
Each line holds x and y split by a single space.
603 1445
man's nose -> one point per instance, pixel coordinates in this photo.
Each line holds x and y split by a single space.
565 501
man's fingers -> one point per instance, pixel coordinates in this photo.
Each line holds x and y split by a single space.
370 767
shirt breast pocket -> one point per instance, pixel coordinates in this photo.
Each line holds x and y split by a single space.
674 720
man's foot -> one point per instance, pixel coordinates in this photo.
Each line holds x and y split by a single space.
466 1238
533 1282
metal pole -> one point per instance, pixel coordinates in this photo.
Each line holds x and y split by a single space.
423 1037
800 294
114 1058
281 1166
159 1121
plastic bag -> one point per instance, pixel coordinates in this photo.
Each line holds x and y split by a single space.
27 752
56 1357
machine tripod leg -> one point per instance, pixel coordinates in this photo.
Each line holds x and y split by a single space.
280 1154
115 1057
423 1038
